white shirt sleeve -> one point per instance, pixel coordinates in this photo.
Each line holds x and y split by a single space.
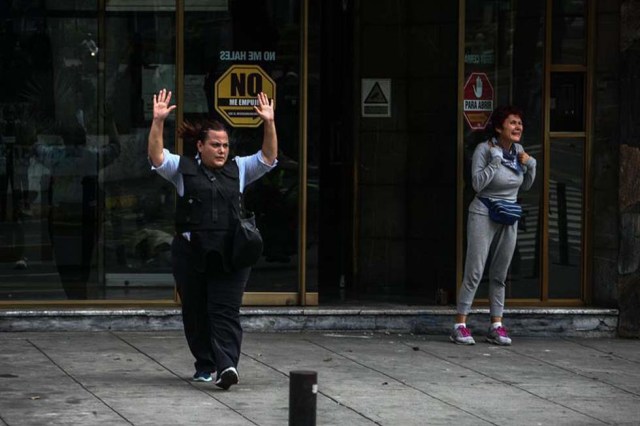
169 170
252 167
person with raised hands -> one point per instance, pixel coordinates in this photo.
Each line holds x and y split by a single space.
209 188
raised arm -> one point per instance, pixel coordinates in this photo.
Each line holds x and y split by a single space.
270 138
161 111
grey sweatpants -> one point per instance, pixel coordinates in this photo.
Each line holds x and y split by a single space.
484 237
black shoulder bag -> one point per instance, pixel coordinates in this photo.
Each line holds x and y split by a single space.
247 241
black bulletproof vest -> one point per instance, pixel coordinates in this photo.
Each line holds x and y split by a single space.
206 203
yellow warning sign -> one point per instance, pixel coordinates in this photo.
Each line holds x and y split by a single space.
236 94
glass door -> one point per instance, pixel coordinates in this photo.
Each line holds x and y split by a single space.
139 51
55 147
504 64
567 138
232 50
532 55
82 216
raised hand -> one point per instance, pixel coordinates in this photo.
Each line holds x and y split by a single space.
161 108
523 157
265 107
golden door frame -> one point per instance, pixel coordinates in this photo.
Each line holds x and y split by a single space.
549 68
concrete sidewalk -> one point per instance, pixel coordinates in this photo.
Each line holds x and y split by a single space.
143 378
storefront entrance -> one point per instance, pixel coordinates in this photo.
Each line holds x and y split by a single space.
83 217
369 199
413 70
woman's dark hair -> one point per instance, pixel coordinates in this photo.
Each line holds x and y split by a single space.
500 114
197 131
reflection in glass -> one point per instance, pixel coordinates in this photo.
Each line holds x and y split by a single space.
75 193
565 218
54 149
568 38
80 210
265 34
505 40
567 102
138 205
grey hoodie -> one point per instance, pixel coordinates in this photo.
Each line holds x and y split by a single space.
491 179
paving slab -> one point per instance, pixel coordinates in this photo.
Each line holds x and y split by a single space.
263 393
371 394
421 364
364 378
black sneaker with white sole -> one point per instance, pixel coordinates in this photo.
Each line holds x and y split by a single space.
227 378
202 376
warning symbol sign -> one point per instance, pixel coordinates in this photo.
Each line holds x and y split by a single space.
236 94
376 97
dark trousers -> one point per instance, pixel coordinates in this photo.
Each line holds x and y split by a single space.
12 224
73 231
211 300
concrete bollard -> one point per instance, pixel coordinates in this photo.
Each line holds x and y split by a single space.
303 390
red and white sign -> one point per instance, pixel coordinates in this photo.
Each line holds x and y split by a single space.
478 100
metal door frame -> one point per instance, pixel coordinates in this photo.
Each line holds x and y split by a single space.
588 71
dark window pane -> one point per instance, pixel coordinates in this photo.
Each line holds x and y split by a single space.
84 218
567 102
569 32
565 218
139 204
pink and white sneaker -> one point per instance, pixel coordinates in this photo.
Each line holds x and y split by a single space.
462 336
498 336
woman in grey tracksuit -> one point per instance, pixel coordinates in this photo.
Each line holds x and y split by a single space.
500 167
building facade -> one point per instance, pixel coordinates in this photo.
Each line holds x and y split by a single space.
379 105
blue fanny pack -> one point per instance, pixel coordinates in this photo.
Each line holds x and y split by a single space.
503 211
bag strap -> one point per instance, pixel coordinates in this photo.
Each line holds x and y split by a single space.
486 202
